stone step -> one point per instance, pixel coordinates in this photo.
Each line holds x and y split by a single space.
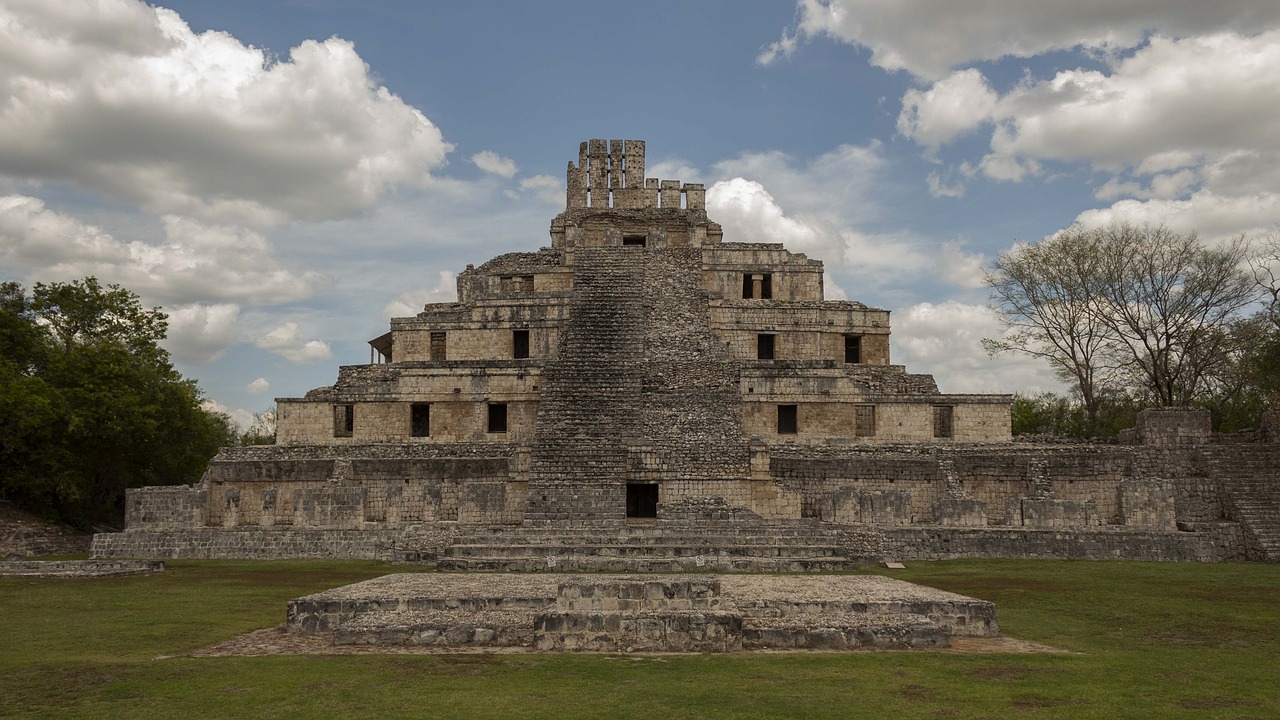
597 563
441 628
845 632
626 550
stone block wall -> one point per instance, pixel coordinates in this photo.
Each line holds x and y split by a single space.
1147 503
165 508
1173 426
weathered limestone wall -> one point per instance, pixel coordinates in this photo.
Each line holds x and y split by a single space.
895 420
793 277
165 508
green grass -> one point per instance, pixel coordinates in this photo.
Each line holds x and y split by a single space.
1146 640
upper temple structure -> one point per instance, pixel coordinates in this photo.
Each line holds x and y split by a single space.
644 377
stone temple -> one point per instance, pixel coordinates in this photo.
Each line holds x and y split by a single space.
643 395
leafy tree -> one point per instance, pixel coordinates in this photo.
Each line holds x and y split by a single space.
92 405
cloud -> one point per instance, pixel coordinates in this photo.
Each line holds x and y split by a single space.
124 99
948 109
200 334
494 163
257 386
286 341
945 340
930 37
819 208
1183 129
243 419
411 302
195 263
544 187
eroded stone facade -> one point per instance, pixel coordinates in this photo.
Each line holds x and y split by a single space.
643 370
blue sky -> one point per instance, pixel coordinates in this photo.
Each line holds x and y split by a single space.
283 177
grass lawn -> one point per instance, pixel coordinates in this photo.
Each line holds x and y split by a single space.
1146 640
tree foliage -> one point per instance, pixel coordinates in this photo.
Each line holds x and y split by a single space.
1140 312
90 403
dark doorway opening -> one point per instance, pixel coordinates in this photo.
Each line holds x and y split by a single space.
633 241
642 500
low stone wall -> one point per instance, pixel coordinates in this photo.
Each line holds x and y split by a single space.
78 568
251 544
1215 543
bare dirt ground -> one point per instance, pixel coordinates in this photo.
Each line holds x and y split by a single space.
275 641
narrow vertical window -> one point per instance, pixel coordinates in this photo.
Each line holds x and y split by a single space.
497 417
439 350
864 420
765 346
420 420
787 424
747 287
766 286
853 348
519 344
942 421
344 420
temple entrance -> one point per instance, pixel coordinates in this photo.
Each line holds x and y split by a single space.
642 500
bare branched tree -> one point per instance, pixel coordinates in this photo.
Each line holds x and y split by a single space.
1044 294
1167 299
1138 306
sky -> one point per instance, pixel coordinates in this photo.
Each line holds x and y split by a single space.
284 176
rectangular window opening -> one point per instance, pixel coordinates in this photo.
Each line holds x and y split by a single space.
943 426
642 500
439 350
633 241
787 424
853 348
344 420
420 420
758 286
520 344
497 417
865 420
765 345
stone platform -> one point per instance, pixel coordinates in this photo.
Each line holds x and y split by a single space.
644 613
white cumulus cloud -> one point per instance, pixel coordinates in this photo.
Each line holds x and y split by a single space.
195 262
945 340
122 98
928 38
286 341
200 334
258 386
411 302
494 163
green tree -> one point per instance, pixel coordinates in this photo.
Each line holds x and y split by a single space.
92 405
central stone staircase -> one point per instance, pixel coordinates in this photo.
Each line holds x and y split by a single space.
662 547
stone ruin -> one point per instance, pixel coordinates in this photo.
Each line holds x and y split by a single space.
691 612
643 396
